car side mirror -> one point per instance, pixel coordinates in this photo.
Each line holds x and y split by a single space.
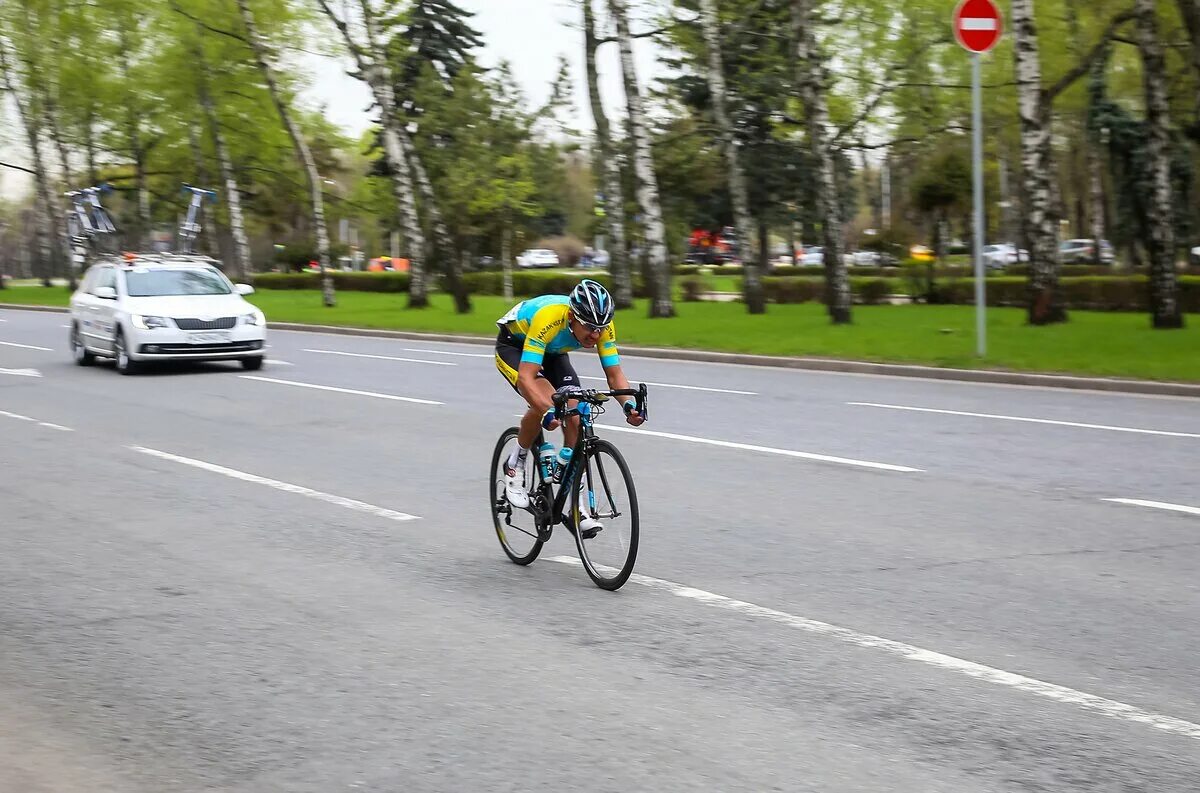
106 293
244 289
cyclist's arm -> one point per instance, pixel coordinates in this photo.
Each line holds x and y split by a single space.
543 327
611 361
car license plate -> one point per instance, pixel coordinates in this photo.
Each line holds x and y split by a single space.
207 338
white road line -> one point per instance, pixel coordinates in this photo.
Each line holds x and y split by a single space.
25 346
341 390
1029 420
687 387
459 354
22 372
825 458
348 503
274 362
1137 502
19 417
381 357
1089 702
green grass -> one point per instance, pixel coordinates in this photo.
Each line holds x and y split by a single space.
1095 343
36 295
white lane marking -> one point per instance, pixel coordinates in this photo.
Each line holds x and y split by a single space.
274 362
65 326
770 450
1137 502
22 372
287 487
381 357
342 390
459 354
19 417
687 387
1029 420
25 346
1091 702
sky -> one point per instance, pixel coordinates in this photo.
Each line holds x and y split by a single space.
530 34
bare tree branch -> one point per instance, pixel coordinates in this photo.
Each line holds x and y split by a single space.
1085 63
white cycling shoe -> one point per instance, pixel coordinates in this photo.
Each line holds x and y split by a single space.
514 486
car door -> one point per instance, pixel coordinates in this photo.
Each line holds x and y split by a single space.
105 309
81 304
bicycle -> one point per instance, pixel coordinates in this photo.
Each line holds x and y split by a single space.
189 228
534 525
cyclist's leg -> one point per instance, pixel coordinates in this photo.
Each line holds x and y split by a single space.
508 360
559 371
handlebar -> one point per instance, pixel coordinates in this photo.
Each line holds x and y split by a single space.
595 397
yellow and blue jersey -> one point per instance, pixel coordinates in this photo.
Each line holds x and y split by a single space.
541 322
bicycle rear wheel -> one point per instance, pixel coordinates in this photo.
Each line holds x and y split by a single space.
516 528
605 493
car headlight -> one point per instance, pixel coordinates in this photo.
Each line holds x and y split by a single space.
256 317
149 323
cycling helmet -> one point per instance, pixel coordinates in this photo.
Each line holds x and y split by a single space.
592 304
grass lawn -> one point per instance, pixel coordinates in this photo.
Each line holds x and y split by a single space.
1096 343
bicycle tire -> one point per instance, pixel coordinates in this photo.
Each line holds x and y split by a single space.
494 493
599 574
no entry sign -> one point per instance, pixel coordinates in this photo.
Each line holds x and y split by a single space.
977 24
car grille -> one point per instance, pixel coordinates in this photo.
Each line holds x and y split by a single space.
199 349
222 323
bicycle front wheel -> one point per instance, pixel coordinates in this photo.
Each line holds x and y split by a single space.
516 528
604 517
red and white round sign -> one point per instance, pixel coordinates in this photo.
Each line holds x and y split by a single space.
977 24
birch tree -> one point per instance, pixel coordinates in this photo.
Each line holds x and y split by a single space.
810 85
659 269
610 168
1160 244
752 291
303 152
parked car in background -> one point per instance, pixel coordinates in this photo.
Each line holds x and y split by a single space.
865 258
1000 255
538 258
1081 251
813 257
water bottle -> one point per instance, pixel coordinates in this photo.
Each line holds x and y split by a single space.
546 460
564 459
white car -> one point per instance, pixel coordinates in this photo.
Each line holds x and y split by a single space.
1002 254
163 307
538 257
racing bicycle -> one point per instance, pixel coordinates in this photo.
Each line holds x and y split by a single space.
595 484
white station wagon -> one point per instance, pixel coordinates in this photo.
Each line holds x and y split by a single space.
164 307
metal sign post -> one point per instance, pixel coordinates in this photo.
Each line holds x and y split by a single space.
977 26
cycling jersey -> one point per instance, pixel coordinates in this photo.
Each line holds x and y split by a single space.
540 325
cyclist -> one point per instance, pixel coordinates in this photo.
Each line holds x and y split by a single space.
531 353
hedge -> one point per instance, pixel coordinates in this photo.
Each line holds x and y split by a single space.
350 282
1095 293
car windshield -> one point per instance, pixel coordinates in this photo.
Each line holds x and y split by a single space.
152 283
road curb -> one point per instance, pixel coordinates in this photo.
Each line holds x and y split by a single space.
994 376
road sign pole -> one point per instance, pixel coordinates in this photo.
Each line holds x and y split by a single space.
977 156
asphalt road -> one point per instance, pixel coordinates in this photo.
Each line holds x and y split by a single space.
210 581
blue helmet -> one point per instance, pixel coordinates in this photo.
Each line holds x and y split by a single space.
592 304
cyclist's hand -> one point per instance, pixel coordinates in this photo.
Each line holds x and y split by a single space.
632 416
548 421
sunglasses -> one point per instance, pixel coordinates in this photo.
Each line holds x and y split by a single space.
591 327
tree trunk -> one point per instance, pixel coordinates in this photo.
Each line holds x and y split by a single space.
65 163
614 203
1164 302
658 266
241 246
136 150
752 290
1095 198
1041 228
441 236
810 82
303 153
506 260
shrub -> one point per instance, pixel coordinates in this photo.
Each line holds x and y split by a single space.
873 291
691 288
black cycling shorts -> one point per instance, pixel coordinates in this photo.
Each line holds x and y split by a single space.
555 367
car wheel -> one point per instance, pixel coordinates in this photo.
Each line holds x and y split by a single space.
125 364
81 354
252 364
